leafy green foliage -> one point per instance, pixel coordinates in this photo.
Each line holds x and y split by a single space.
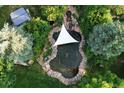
96 63
121 85
107 39
38 44
7 77
34 10
16 42
93 15
53 13
101 80
48 49
117 10
40 30
37 25
80 9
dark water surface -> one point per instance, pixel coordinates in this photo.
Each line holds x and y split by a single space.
68 57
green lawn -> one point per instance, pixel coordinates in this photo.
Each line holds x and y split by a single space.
34 77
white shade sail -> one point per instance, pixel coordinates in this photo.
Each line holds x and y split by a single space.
64 37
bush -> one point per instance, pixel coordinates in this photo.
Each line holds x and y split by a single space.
92 16
37 25
101 80
34 10
107 39
53 13
16 42
48 50
39 43
40 30
117 10
80 9
121 85
7 77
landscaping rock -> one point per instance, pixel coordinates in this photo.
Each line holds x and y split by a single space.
30 62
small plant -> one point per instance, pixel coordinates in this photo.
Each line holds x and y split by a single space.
107 39
7 77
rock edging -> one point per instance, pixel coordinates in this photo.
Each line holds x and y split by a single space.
58 75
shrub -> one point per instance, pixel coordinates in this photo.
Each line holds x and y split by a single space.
48 50
117 10
107 39
7 77
80 9
36 24
17 42
100 80
39 43
53 13
34 10
92 16
40 30
121 85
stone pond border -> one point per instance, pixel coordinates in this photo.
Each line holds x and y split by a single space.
58 75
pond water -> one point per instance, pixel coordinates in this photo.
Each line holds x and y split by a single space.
68 57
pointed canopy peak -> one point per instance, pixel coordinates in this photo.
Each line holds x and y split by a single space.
64 37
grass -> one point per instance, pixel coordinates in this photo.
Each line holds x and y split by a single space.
34 77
